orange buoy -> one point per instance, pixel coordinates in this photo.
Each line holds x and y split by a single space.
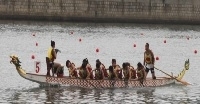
33 57
97 50
80 40
157 58
36 44
134 45
195 51
164 41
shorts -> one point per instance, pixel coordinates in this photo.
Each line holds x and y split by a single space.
151 69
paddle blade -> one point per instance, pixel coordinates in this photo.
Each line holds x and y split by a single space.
183 82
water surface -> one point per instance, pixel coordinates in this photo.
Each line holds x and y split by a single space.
113 41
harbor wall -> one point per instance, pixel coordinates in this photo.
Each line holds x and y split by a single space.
131 11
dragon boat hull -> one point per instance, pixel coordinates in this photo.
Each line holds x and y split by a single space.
44 80
92 83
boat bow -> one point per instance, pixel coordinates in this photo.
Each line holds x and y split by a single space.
15 60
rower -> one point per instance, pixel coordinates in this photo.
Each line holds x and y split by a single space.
140 73
85 71
111 74
51 56
126 71
99 74
72 69
149 60
103 68
132 71
117 70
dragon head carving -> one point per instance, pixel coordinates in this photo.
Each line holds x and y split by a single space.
15 60
187 64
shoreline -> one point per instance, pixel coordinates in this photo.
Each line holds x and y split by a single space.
97 20
103 11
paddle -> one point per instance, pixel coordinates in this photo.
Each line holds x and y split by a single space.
183 82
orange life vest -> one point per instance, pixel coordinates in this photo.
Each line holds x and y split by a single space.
148 57
119 72
105 71
98 74
133 73
126 73
111 75
74 73
90 71
140 74
83 73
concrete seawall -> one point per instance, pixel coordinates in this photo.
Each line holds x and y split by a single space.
142 11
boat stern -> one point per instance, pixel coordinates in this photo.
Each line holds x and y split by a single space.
182 73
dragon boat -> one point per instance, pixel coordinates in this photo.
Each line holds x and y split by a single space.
44 80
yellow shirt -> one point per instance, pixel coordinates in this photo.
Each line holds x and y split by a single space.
49 54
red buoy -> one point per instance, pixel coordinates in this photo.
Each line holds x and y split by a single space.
157 58
195 51
97 50
80 40
33 57
164 41
188 38
36 44
134 45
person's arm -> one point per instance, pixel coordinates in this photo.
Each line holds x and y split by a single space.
116 73
73 67
144 59
102 74
141 74
153 59
53 53
130 73
70 73
78 68
88 72
145 74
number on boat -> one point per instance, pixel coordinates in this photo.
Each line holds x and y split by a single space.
37 66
